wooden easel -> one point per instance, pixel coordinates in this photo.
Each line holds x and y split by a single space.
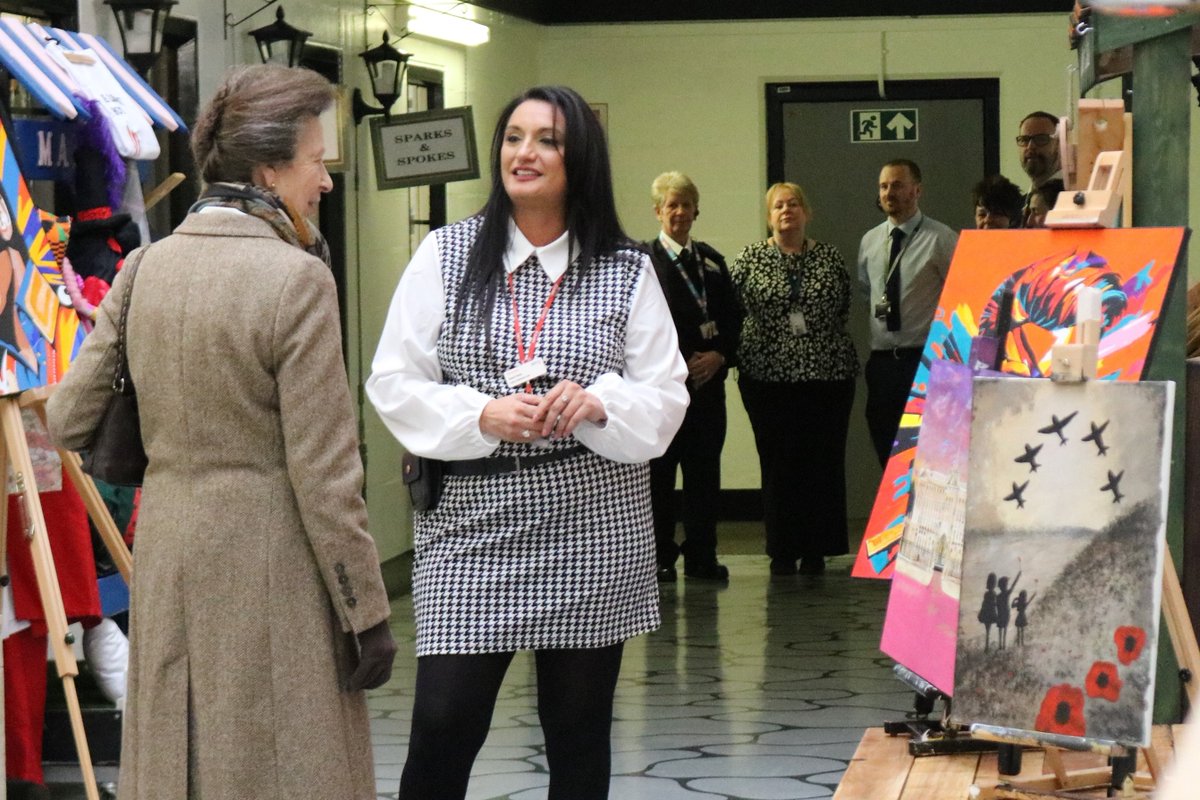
14 451
1078 362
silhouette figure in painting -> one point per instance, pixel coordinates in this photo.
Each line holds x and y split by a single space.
1056 426
1029 458
1016 494
1003 593
1097 436
987 611
1111 486
1021 604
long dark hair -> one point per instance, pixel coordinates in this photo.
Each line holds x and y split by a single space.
591 212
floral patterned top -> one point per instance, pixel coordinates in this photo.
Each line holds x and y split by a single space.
772 286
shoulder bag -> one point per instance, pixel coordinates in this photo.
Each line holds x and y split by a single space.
116 454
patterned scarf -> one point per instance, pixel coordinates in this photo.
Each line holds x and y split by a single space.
270 208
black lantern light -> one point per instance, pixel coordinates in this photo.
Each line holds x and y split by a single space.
141 25
279 42
386 66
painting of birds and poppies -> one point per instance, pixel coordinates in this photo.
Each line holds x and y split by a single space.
1132 268
1062 556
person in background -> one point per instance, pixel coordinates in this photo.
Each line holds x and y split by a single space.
998 203
1041 201
259 613
530 350
1037 139
797 369
708 323
902 266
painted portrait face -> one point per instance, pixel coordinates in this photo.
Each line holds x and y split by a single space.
6 223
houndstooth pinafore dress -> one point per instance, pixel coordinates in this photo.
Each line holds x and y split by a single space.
559 555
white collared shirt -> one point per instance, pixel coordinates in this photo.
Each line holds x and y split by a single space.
673 247
644 403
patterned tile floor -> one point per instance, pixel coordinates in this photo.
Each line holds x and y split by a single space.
759 690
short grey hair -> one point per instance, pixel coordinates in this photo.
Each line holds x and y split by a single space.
255 119
673 182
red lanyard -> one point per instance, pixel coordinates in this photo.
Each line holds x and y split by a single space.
524 356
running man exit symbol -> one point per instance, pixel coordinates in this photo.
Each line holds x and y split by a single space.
883 125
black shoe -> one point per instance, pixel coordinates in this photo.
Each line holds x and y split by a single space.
783 566
667 575
812 565
707 572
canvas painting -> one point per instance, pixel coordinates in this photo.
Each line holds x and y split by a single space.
1062 557
1132 267
39 335
922 615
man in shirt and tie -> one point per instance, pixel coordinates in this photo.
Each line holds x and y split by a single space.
708 321
902 265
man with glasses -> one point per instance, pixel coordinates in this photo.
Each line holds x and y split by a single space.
1039 150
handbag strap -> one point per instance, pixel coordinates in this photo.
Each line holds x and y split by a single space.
131 264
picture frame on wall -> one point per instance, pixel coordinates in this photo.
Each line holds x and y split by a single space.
425 148
333 126
601 112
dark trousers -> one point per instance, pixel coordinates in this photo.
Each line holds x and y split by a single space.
697 450
452 712
889 376
800 432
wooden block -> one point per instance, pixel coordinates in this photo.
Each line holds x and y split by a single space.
878 770
941 776
1101 127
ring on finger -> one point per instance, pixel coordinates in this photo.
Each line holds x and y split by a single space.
525 434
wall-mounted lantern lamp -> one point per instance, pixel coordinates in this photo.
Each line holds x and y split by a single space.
386 66
140 23
279 42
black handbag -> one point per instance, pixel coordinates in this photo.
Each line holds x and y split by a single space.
116 454
423 477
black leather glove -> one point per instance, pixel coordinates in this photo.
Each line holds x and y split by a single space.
376 651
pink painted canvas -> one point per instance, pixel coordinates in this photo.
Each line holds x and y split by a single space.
922 614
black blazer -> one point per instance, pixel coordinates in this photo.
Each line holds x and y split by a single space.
723 306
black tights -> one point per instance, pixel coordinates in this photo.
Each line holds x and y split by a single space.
455 697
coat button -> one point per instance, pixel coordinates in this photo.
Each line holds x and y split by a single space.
346 590
339 568
350 601
343 579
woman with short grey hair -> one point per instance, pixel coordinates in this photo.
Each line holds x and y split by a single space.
258 614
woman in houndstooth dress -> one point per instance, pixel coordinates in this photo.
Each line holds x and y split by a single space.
531 350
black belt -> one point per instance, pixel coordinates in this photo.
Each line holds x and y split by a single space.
499 465
899 353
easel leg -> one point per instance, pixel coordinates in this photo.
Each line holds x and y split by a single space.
1179 625
17 450
92 501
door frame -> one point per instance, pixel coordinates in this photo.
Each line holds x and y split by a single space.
779 95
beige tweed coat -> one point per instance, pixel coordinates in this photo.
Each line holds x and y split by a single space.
252 565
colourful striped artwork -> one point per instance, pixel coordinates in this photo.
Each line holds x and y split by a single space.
1132 267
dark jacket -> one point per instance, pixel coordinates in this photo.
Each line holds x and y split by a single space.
723 307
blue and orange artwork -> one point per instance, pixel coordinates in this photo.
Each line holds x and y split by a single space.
1132 267
39 335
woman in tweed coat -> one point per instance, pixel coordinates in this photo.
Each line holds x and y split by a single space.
258 608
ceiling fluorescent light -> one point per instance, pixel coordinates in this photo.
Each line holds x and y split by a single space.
451 28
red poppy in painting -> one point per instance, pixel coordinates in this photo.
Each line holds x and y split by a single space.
1102 681
1062 711
1130 640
